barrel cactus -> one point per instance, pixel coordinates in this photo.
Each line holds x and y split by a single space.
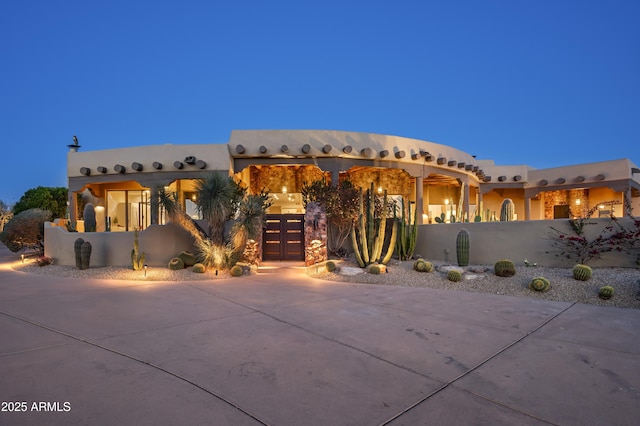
188 258
454 275
422 265
504 268
582 272
137 258
236 271
331 266
375 269
462 247
77 245
540 284
606 292
199 268
176 264
85 255
507 210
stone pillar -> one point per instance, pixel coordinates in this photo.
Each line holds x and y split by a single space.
527 208
419 199
155 205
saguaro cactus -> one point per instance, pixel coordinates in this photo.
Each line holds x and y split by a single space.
77 245
462 247
507 210
368 239
85 255
89 216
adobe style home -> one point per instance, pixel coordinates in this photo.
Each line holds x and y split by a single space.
442 181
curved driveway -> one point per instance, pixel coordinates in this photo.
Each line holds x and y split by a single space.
284 349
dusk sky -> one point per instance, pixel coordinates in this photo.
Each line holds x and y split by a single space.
544 83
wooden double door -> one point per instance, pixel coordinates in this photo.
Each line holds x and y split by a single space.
283 237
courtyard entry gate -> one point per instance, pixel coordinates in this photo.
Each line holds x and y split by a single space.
283 237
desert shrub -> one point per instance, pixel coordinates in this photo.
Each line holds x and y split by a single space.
540 284
43 260
236 271
331 266
26 231
606 292
454 275
504 268
198 268
188 258
582 272
176 264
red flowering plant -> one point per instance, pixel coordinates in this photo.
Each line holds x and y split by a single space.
579 247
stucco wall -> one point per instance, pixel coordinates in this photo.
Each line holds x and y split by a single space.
159 243
518 240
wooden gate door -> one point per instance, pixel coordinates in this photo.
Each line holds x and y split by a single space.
283 237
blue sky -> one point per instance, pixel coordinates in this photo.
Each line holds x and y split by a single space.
544 83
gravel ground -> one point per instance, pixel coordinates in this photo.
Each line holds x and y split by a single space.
477 278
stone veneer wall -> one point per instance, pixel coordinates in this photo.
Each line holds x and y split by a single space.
396 182
567 197
273 178
315 235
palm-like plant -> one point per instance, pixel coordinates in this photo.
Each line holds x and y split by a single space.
218 196
249 219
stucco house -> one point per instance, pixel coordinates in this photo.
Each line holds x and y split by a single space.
441 180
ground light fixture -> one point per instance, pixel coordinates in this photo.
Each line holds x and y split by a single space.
22 256
145 269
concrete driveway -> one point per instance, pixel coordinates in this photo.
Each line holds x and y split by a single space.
285 349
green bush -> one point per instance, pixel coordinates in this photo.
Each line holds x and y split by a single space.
582 272
454 275
606 292
504 268
25 230
176 264
540 284
198 268
236 271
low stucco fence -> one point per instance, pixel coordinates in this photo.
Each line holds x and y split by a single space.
517 241
160 243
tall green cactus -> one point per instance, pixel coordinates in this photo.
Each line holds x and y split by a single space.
507 210
462 247
77 245
368 239
89 216
85 255
407 233
137 258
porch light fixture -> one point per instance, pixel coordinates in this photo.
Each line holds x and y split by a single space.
380 190
284 189
578 201
446 201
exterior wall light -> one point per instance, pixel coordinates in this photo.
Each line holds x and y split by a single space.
578 202
284 189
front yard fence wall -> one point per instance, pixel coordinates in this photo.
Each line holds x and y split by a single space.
517 241
160 243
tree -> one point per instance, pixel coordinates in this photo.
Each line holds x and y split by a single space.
26 231
53 199
5 214
218 196
340 202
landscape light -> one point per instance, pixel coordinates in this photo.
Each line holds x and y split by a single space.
145 269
